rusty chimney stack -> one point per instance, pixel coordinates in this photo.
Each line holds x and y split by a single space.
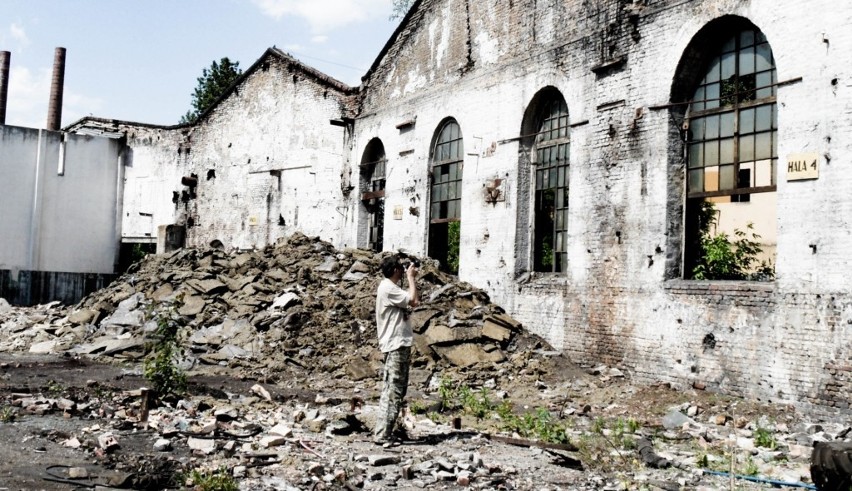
5 56
54 111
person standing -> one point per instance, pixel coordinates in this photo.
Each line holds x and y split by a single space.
395 339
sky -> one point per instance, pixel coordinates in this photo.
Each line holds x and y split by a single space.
139 60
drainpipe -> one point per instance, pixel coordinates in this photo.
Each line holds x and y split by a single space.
5 56
54 111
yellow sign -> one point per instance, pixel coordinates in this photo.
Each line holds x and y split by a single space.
252 221
397 212
802 166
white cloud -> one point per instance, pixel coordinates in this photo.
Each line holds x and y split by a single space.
18 34
29 93
319 39
326 15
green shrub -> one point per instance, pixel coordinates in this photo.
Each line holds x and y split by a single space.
218 480
161 368
722 257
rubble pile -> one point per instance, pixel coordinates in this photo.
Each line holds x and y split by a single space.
299 304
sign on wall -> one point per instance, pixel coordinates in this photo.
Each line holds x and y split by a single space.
802 166
397 212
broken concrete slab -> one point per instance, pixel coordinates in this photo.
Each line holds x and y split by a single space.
192 305
467 354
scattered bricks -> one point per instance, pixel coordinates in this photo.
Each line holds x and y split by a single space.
205 446
108 442
272 441
382 460
260 391
78 473
163 445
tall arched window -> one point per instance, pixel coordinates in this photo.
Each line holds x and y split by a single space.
550 165
373 165
445 193
732 156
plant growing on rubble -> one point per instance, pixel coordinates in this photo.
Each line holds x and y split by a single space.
218 480
537 424
750 468
8 414
477 404
764 438
161 368
417 407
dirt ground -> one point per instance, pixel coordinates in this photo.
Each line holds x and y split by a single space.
590 405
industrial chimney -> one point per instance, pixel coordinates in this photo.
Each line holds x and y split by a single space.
54 110
5 56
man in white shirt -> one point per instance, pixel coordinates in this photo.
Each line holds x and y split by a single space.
395 339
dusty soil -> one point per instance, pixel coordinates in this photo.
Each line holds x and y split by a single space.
590 405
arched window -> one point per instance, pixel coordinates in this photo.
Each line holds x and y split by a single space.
550 164
373 165
445 195
731 137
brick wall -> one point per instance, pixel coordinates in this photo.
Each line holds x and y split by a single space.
617 64
621 301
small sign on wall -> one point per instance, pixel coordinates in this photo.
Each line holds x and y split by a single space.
397 212
802 166
252 221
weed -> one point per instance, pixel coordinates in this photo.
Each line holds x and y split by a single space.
218 480
8 414
447 394
598 425
764 438
633 425
750 468
54 388
435 417
477 404
538 424
161 368
417 407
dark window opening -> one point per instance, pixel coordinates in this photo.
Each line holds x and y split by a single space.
551 168
445 196
373 179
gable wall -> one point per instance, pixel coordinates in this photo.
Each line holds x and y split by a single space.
278 166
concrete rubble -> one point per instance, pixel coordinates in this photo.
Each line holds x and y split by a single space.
284 378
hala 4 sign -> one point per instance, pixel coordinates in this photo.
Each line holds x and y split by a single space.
802 166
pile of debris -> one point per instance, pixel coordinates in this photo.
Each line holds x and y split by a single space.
297 305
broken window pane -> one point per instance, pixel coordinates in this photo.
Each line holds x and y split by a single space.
730 157
711 178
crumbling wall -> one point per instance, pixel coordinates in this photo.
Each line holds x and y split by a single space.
264 163
622 300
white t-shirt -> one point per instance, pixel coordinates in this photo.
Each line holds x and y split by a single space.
391 318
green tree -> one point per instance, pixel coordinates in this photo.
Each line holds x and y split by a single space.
400 8
212 83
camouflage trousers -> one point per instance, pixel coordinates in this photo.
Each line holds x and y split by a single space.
393 391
